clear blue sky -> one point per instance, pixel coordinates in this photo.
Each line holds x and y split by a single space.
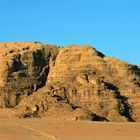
112 26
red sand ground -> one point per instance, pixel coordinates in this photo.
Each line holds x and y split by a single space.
42 129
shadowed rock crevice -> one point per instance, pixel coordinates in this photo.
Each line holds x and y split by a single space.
99 118
123 106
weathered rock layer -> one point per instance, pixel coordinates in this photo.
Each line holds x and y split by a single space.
73 82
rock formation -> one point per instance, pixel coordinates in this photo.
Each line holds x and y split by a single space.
73 82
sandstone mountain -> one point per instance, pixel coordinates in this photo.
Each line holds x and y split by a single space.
73 82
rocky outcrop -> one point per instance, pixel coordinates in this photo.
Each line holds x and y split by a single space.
73 82
24 69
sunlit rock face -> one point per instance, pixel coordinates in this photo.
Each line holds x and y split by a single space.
73 82
24 69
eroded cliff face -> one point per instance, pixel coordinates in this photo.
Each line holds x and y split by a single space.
73 82
24 69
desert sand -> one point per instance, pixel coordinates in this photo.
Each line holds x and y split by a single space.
44 129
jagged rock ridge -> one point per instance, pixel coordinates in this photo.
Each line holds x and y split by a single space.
73 82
